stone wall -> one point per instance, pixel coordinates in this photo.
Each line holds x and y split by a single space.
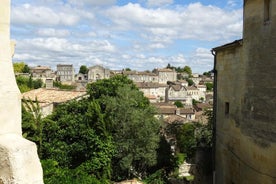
246 101
19 161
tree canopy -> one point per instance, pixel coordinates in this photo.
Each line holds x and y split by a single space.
83 69
112 134
21 67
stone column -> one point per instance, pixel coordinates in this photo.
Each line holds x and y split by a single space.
19 162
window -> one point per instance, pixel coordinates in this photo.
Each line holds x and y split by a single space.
267 10
227 108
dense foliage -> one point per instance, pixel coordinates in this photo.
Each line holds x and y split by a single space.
28 83
59 85
21 67
110 135
83 69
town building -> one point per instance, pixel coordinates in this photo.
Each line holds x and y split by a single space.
98 72
42 72
155 92
165 75
65 73
141 76
245 100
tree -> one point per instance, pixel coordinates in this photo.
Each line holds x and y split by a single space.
78 140
190 82
108 87
135 132
188 70
178 104
18 67
83 69
127 69
186 140
131 122
26 69
209 86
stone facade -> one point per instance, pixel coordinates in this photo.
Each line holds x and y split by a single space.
141 76
98 72
65 73
165 75
42 72
245 103
19 162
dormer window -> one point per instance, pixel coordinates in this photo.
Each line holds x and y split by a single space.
267 10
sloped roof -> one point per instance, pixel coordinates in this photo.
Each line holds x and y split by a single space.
175 119
149 85
52 95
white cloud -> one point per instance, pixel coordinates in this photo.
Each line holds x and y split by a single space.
192 22
50 32
40 15
201 60
92 2
159 2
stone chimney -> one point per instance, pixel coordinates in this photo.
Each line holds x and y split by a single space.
19 162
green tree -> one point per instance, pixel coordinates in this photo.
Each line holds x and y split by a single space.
178 104
190 82
83 69
18 67
188 70
78 139
131 122
127 69
26 69
186 140
108 87
204 132
33 122
135 132
209 86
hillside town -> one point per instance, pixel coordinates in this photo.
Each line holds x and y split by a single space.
164 87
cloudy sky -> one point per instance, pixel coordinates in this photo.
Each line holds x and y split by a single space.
117 34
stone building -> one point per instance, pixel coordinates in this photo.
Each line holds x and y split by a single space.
141 76
98 72
245 100
42 72
65 73
154 91
165 75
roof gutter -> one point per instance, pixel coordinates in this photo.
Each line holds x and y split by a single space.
214 117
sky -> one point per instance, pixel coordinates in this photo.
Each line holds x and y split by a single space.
117 34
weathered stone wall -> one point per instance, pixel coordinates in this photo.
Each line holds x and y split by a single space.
19 161
246 135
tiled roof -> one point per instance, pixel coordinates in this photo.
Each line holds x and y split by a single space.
176 87
202 106
52 95
40 68
149 85
187 111
164 70
191 88
175 119
138 73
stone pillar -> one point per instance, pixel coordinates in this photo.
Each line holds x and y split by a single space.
19 162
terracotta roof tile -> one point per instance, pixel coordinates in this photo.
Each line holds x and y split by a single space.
52 95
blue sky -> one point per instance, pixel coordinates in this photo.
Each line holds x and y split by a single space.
138 34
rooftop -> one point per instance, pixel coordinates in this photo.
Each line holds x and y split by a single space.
52 95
